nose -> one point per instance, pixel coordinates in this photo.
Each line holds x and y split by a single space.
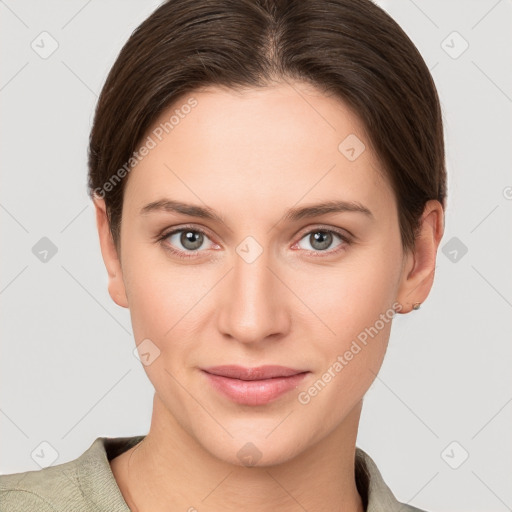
253 302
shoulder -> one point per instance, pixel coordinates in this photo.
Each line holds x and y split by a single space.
83 484
376 494
49 489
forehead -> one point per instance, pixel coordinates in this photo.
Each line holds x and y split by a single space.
286 115
269 146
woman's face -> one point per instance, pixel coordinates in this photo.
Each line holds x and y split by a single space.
260 281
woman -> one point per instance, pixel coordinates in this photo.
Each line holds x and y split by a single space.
269 185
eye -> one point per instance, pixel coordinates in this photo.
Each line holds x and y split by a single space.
187 242
184 240
321 239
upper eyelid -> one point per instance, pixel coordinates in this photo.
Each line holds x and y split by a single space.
322 227
173 231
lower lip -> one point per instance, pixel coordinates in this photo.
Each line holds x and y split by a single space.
254 392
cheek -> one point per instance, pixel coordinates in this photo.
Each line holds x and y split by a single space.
165 298
353 308
351 294
164 308
350 358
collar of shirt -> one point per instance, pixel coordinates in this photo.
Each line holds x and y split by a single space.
87 482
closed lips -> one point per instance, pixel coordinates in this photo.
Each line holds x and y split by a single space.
256 373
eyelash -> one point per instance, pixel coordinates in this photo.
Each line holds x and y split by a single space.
192 254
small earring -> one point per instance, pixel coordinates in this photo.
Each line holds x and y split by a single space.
416 305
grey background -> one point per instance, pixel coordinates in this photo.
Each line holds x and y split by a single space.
67 370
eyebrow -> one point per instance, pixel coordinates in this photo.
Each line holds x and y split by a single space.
293 214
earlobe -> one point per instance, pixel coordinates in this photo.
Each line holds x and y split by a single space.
116 287
419 264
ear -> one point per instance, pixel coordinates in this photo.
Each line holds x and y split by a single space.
116 287
420 263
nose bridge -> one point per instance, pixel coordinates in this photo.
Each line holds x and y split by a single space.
253 307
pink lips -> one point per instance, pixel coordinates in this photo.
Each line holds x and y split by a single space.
253 386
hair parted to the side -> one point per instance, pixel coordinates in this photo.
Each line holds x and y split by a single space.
351 49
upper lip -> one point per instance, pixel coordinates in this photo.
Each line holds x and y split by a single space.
256 373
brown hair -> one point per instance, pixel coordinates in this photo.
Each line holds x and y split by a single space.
351 49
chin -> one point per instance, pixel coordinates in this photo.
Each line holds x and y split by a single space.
253 447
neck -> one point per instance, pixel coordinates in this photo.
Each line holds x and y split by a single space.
169 470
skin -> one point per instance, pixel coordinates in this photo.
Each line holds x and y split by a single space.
251 156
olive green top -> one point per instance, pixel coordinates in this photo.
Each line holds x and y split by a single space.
88 484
